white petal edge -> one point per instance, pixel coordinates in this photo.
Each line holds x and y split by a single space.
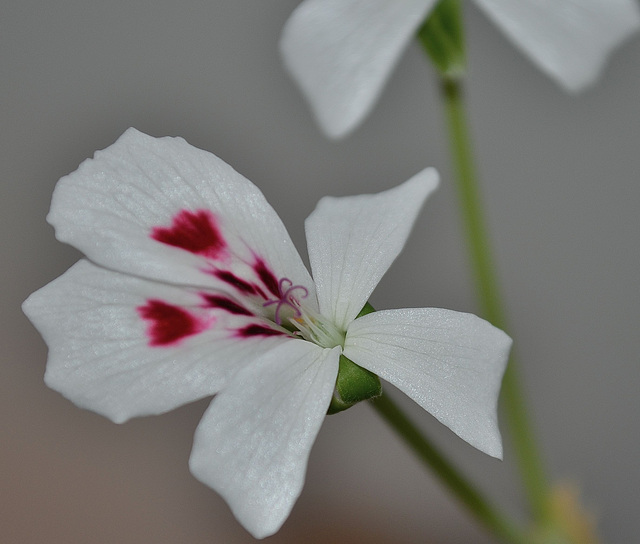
109 206
341 53
352 242
253 443
99 352
569 40
450 363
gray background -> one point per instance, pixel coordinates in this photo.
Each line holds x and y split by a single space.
561 184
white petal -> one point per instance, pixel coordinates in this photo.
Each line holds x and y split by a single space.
103 357
341 53
353 240
162 209
569 40
450 363
253 442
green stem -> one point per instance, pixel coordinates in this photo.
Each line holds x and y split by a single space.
491 306
478 505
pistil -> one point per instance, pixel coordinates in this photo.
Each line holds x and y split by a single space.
309 324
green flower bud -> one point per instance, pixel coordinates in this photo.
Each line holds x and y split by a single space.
442 36
354 383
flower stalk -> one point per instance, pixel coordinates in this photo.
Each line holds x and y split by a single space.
489 297
436 38
457 484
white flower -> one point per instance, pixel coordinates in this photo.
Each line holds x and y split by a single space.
193 288
341 52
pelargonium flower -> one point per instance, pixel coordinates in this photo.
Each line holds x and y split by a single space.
341 52
193 288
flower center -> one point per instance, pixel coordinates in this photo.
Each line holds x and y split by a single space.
312 326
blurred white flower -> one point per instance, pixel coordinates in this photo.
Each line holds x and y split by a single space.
193 288
341 52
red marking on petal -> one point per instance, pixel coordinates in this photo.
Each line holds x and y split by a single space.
224 303
168 324
258 330
235 281
268 278
196 232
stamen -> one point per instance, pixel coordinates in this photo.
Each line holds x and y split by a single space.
287 298
315 328
310 325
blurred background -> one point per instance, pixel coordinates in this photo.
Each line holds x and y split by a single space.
561 181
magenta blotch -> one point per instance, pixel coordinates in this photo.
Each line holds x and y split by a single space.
196 232
268 278
258 330
168 324
241 285
224 303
